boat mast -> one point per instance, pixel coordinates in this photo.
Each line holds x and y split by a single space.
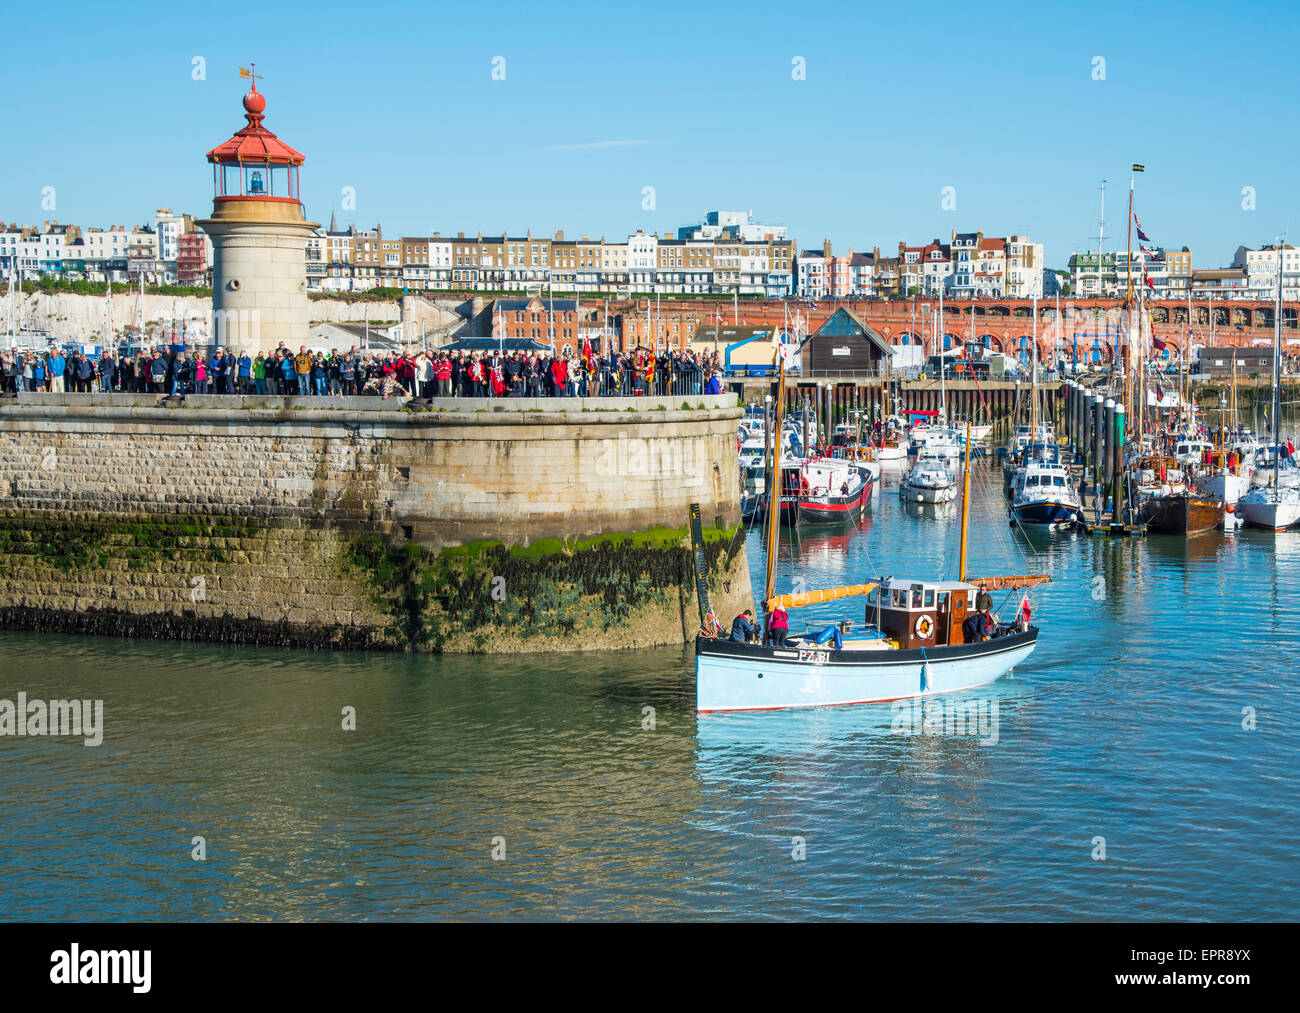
1277 378
774 485
965 508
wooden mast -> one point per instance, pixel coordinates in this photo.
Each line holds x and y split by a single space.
965 508
774 483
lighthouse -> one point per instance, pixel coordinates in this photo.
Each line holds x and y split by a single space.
259 238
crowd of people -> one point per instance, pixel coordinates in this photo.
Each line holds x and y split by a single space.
422 374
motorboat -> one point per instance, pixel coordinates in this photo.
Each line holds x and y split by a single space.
1042 493
928 481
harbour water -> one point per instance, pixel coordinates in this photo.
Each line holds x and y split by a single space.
1157 721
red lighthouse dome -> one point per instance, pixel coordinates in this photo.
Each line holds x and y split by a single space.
255 165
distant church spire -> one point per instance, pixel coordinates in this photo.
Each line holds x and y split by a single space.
334 225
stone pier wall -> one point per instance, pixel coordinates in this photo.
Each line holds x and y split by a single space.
492 526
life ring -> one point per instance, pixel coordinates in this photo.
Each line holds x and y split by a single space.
924 627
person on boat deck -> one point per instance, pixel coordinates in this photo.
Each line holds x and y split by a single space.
743 628
978 627
983 600
844 489
778 625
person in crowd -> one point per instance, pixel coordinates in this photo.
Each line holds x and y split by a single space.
219 372
348 374
442 373
560 376
714 386
244 373
200 375
259 374
319 375
157 374
302 369
107 369
288 379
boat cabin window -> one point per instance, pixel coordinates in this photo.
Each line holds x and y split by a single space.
941 599
1058 480
873 596
929 598
900 598
916 598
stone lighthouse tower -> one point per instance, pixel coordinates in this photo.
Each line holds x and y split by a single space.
259 238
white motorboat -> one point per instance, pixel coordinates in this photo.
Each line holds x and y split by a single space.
928 481
1042 494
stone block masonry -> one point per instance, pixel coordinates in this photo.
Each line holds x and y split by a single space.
470 526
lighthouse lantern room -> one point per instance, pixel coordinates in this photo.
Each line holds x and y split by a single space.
259 237
255 164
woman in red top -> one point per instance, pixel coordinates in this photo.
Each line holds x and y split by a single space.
778 625
560 375
476 375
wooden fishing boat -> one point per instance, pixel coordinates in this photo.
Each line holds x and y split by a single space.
912 640
910 643
1180 514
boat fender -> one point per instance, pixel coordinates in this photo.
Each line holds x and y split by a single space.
925 677
924 627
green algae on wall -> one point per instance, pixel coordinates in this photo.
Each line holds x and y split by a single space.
67 543
615 589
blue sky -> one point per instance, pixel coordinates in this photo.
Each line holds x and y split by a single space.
997 100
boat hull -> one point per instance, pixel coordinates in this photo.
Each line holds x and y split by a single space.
815 510
1271 516
926 494
1181 515
742 677
1046 513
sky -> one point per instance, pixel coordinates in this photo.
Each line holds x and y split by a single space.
1021 109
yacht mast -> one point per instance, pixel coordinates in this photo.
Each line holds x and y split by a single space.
1277 379
774 484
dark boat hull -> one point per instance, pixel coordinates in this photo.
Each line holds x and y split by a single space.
1046 512
1181 515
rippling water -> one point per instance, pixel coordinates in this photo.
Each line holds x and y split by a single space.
1126 724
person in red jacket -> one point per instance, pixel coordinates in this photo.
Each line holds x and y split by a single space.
476 377
778 625
442 373
559 374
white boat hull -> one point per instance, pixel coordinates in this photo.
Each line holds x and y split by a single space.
1268 512
1228 488
926 494
760 678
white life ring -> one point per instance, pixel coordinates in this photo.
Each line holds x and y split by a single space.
924 627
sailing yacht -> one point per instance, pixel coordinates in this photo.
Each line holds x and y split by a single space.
1276 505
910 642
